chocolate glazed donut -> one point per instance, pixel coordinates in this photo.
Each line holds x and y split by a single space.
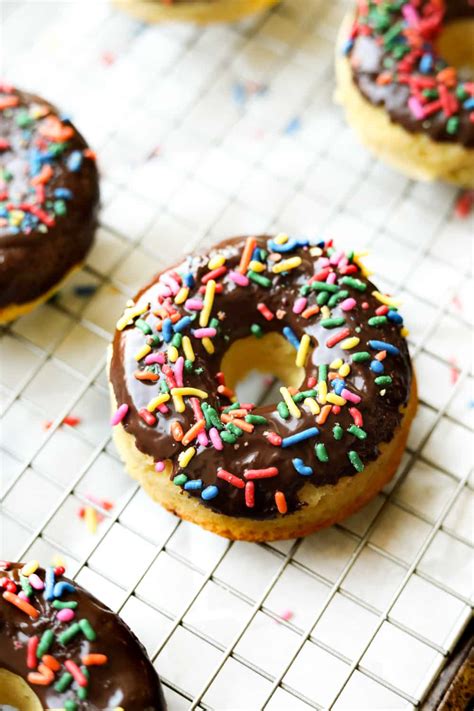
352 366
49 195
70 649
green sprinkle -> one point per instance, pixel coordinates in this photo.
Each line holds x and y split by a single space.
321 452
25 586
332 322
383 380
256 330
336 298
153 341
452 125
323 372
360 357
70 705
23 119
233 429
68 634
324 286
299 397
234 406
214 418
63 682
214 323
177 340
45 643
357 432
59 207
354 283
256 420
259 279
283 410
180 479
461 92
228 438
337 431
322 298
305 289
143 326
82 693
377 320
87 630
164 387
188 366
355 460
58 605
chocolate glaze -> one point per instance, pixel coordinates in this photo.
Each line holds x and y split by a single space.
128 679
367 58
33 261
237 308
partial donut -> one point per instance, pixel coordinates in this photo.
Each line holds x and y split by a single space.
308 315
200 11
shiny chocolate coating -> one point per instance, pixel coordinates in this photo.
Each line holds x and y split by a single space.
128 679
236 309
37 252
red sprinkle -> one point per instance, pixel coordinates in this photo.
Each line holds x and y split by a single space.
231 478
274 438
147 417
267 473
214 274
356 416
76 672
337 337
250 494
265 311
32 646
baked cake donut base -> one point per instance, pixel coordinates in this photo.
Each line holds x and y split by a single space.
414 154
200 12
323 506
14 311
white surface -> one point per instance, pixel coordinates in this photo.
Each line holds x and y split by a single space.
208 610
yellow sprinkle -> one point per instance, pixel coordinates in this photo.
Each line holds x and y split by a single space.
29 568
178 403
208 302
185 457
129 314
208 345
58 560
142 352
335 399
386 300
90 517
282 238
336 364
303 351
325 312
172 354
182 295
256 266
215 262
157 401
344 370
291 405
189 392
286 264
312 405
405 332
349 343
322 389
188 349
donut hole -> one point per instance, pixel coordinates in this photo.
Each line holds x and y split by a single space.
16 694
255 368
456 45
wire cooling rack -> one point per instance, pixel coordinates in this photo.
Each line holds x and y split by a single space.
203 134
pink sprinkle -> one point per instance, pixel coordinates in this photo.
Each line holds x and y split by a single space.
336 258
348 304
331 278
66 615
163 290
159 467
178 371
239 279
204 333
35 582
193 305
323 262
155 358
352 397
410 15
287 615
416 108
215 438
23 595
119 414
171 282
203 439
164 409
300 305
343 263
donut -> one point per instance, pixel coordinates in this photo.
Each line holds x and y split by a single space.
61 648
199 11
407 104
308 315
49 194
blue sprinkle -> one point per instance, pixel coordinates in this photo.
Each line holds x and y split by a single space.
188 279
63 194
293 126
377 367
182 324
469 104
49 584
299 437
62 587
74 161
395 317
338 385
347 46
167 330
426 63
290 336
210 492
382 346
301 468
282 248
193 485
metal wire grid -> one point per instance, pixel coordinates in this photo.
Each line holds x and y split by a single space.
362 542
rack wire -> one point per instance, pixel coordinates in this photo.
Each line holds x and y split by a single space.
201 134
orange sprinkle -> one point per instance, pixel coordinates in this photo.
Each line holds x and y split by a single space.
381 355
384 78
447 76
21 604
280 501
247 252
323 415
51 662
55 130
88 153
224 390
45 174
292 390
311 311
90 660
43 677
193 432
238 413
245 426
177 431
6 102
146 375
